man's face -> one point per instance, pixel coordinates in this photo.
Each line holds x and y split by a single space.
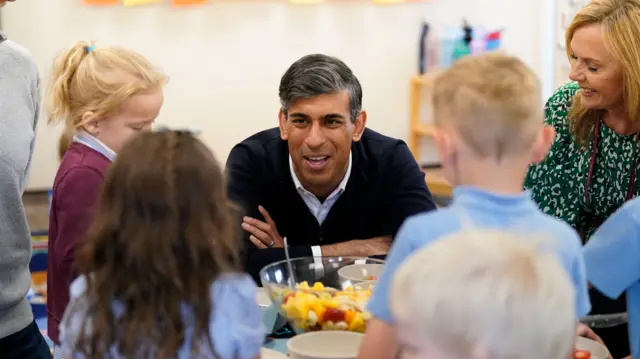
319 132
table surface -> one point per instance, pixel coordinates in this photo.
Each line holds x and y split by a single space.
275 344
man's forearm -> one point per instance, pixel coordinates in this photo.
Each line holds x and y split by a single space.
358 247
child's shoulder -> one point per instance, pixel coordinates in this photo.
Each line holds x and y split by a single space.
80 162
430 217
71 174
560 231
621 221
432 224
631 209
233 286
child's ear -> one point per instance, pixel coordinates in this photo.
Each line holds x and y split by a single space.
444 144
90 123
543 143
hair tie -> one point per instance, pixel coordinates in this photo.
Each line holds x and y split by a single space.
90 48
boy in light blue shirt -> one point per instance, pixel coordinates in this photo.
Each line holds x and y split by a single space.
489 129
612 259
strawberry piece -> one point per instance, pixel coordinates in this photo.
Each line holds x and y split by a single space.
334 315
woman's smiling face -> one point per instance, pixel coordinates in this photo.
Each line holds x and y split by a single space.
595 69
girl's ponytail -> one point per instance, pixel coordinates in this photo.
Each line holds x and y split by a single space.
64 69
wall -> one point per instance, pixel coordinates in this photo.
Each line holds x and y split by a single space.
565 11
225 59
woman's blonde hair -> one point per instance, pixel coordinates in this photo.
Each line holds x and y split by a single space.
98 79
619 21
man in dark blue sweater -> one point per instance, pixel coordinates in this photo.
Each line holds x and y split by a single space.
322 179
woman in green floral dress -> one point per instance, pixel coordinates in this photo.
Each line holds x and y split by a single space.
559 183
591 168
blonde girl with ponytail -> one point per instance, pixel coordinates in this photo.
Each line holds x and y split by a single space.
104 96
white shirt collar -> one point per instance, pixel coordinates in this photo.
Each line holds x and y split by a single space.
341 187
90 141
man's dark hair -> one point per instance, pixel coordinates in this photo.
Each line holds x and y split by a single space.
319 74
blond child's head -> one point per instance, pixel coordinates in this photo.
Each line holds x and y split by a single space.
489 108
483 294
110 92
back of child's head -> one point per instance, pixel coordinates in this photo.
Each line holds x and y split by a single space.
493 102
163 232
98 81
484 294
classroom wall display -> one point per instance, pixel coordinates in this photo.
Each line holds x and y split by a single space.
129 3
439 47
565 11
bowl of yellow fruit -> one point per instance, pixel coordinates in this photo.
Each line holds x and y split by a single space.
313 296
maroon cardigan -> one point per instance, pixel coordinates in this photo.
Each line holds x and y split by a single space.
76 189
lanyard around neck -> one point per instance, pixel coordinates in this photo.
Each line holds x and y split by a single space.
592 164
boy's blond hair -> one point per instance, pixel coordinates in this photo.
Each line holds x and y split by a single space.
493 101
485 293
99 79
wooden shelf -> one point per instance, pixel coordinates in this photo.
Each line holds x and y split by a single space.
424 80
423 129
437 184
419 129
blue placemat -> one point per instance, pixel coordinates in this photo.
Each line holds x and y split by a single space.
277 344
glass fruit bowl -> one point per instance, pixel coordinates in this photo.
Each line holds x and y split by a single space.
324 293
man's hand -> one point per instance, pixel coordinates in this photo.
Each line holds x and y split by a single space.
3 2
359 247
263 234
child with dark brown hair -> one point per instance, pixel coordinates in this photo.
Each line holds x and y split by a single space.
159 269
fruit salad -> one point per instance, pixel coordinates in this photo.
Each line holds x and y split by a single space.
313 308
581 354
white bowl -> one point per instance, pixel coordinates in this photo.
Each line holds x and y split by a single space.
325 345
271 354
597 350
360 272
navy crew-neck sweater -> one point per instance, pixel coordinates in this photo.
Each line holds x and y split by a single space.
385 187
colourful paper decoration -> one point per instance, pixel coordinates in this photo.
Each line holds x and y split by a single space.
130 3
101 2
188 2
140 2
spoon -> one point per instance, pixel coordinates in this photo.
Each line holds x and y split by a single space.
290 280
605 320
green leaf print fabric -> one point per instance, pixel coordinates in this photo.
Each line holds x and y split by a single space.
558 182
